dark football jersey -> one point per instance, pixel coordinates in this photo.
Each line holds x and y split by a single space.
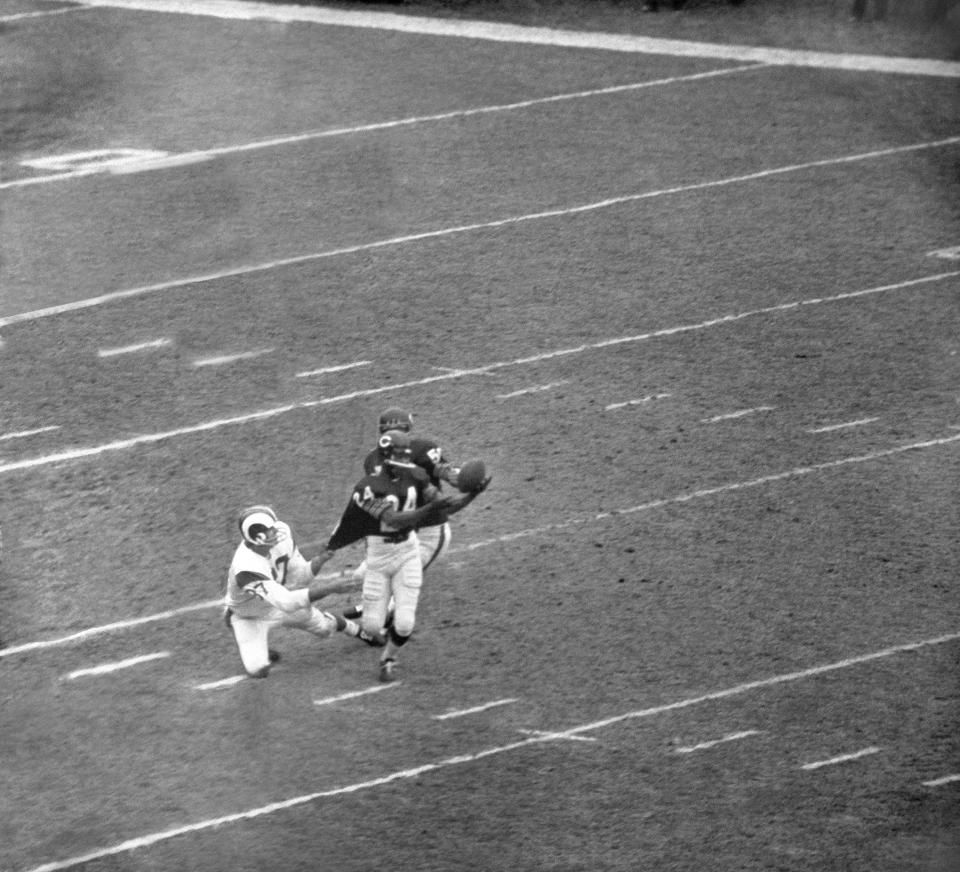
371 497
426 453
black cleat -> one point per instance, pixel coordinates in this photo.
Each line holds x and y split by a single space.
386 669
273 655
376 641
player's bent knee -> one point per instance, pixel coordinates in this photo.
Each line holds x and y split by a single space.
398 635
371 624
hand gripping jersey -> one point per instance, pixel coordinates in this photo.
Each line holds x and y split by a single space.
269 570
371 497
426 453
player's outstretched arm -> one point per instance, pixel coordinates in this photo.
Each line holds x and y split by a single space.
317 589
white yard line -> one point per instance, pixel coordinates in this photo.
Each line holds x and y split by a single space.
24 433
637 402
149 839
938 782
521 534
702 746
108 628
354 694
105 668
742 413
232 358
547 734
534 390
131 349
843 758
131 164
223 682
514 33
469 228
153 438
844 426
472 711
328 369
710 492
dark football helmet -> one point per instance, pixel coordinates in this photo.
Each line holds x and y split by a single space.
396 419
395 449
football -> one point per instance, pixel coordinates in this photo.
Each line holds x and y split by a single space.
471 476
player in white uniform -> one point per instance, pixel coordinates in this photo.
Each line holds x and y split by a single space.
270 584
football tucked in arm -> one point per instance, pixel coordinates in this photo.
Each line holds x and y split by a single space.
472 476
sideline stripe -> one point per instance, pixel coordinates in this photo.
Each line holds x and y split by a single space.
538 35
468 228
291 139
104 668
151 438
164 835
843 758
511 537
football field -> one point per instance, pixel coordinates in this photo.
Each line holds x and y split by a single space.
696 308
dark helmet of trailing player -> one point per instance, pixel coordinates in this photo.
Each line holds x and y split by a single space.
258 526
395 419
396 449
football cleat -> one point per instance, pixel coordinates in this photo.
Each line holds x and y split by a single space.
376 641
273 655
386 669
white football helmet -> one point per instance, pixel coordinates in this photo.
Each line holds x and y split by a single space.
259 526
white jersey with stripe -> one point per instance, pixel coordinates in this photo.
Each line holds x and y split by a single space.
268 590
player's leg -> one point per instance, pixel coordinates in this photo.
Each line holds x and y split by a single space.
406 584
375 599
251 635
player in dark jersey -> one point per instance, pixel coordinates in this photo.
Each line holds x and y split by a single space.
434 535
385 510
428 456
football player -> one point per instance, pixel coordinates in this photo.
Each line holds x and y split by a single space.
270 584
428 455
386 509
